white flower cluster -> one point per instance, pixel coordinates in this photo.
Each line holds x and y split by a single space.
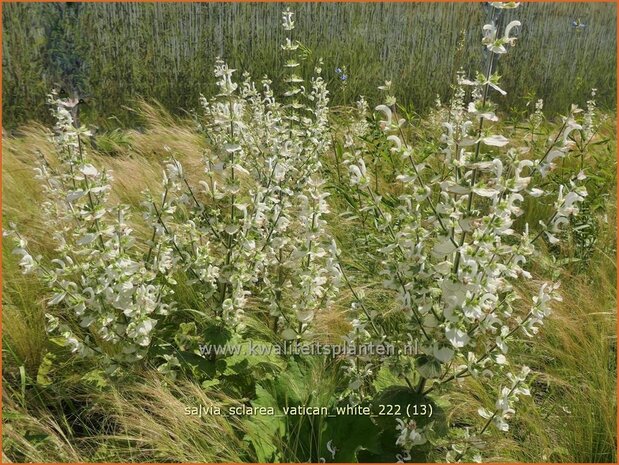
110 297
410 435
453 246
254 226
589 124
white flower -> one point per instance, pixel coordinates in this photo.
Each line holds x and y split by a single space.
385 110
410 435
457 337
86 239
497 45
443 354
89 171
72 196
331 448
495 140
287 20
386 86
358 173
443 247
27 262
57 298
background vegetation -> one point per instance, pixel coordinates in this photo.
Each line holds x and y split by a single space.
114 52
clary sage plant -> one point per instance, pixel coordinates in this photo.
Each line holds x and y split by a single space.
454 246
248 232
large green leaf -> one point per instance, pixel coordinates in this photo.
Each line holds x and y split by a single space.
400 401
348 434
264 432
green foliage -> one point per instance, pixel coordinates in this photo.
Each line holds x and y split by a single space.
352 435
114 52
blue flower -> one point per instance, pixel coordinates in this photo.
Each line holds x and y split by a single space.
338 70
343 77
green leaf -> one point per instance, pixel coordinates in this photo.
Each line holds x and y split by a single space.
96 378
385 378
264 432
349 434
199 365
428 367
45 368
210 383
402 400
217 335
